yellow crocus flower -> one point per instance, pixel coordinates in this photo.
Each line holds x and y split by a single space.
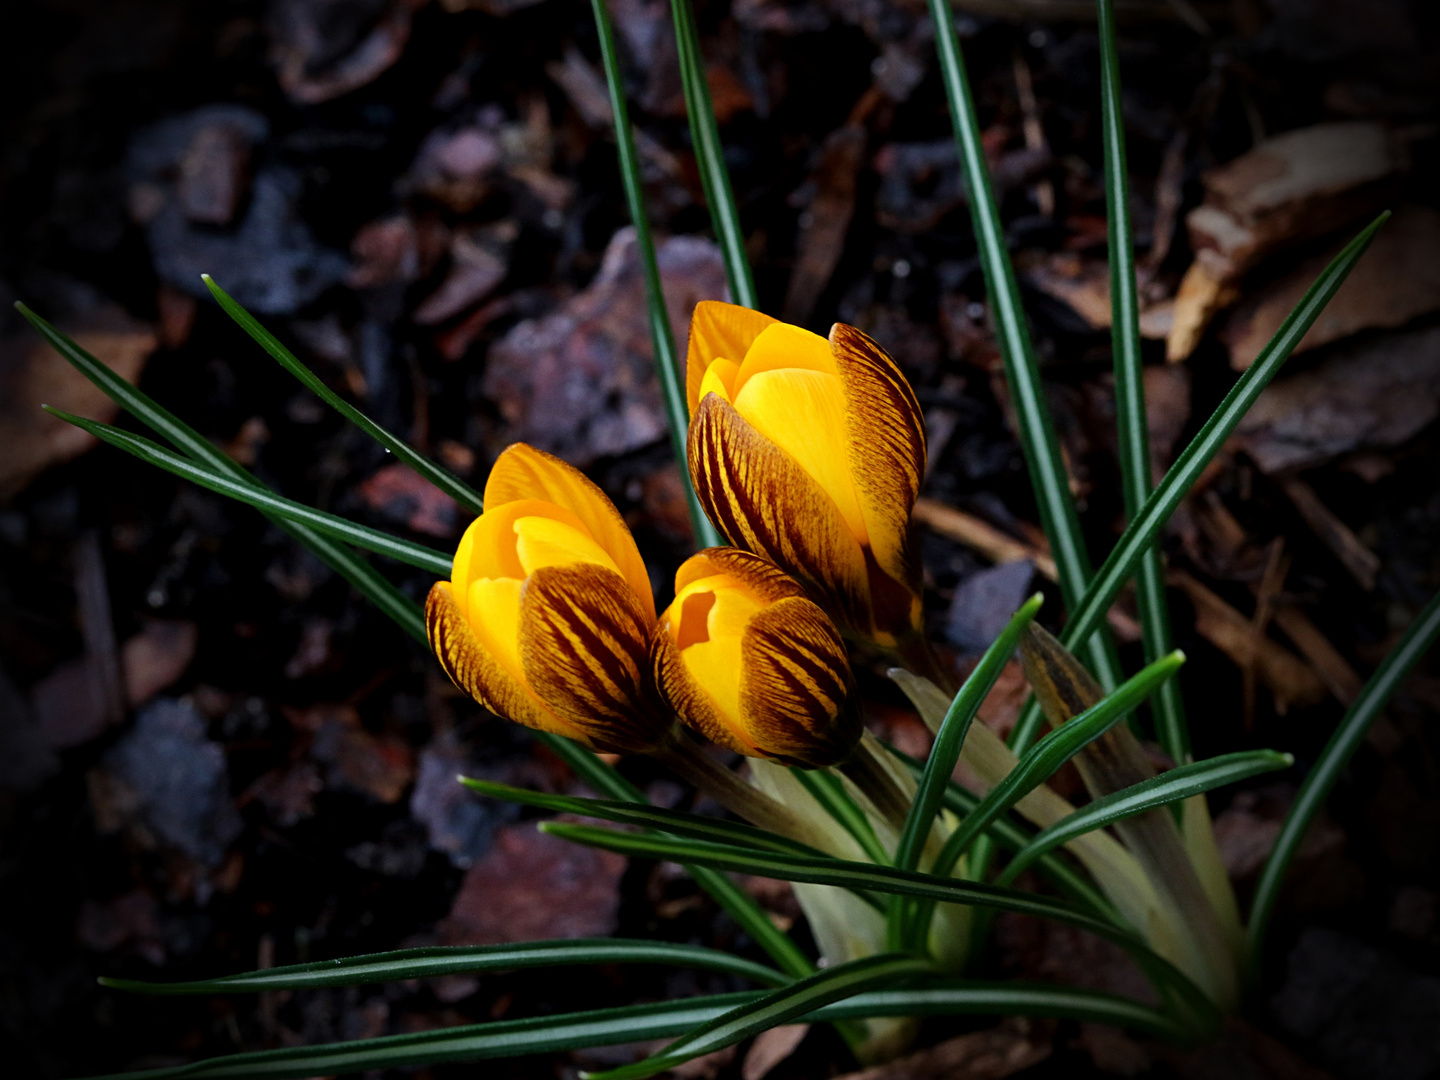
547 615
810 452
744 657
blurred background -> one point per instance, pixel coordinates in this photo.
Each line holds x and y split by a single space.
214 756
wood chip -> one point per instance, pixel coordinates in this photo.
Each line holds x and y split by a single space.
32 374
826 221
1375 393
1290 188
770 1048
1289 678
1362 563
1332 668
1202 294
985 539
1397 280
980 1055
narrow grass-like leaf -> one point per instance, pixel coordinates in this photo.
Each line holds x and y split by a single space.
390 600
1324 774
860 876
440 477
774 1009
950 740
409 617
1014 836
1169 787
1046 467
971 997
1086 616
945 753
657 1020
428 963
675 822
830 793
471 1042
1073 883
1131 425
710 156
1039 764
341 529
738 904
662 336
844 873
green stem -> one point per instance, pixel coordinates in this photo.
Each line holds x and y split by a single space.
662 336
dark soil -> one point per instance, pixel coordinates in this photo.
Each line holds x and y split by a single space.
278 788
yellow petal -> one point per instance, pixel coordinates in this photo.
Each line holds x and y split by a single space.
685 697
718 330
803 413
719 378
707 622
490 546
781 347
763 501
522 472
714 667
797 691
493 611
546 541
584 646
886 436
475 671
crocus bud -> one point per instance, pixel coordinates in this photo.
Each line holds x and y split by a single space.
810 452
744 657
547 615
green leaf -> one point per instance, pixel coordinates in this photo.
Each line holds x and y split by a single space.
1086 616
192 444
864 876
1048 478
844 873
1014 836
662 337
675 822
470 1042
710 156
945 753
636 1023
429 962
360 535
1132 428
1039 764
442 478
1321 779
774 1009
972 997
738 904
830 793
1179 783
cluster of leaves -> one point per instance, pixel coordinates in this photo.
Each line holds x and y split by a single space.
903 981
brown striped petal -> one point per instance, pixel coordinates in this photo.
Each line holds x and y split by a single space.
718 330
797 691
760 575
761 500
477 673
887 448
584 645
